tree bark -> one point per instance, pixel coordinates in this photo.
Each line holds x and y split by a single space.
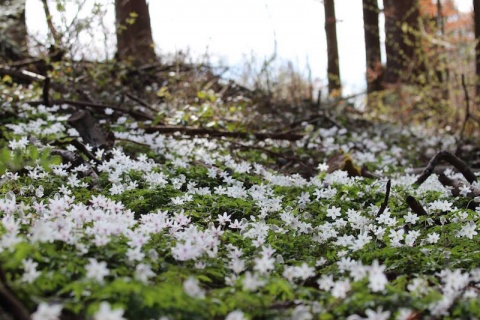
333 69
476 15
372 46
402 41
134 32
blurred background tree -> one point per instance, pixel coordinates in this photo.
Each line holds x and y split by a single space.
476 15
333 68
429 45
13 30
402 43
134 32
373 56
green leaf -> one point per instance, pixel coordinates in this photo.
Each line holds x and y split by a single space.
33 152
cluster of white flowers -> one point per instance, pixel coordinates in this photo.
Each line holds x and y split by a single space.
302 272
47 311
347 226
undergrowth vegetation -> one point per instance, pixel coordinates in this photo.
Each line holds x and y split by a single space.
175 226
166 191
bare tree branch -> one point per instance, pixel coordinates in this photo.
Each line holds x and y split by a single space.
459 164
51 27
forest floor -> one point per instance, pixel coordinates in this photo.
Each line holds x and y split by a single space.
209 204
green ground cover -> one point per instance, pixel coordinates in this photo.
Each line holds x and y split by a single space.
175 227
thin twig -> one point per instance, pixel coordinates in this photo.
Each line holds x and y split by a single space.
82 148
141 102
467 109
72 27
46 89
385 201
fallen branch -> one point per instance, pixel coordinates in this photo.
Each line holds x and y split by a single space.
22 75
25 76
89 130
218 133
438 170
416 206
364 172
82 148
97 106
9 301
456 184
459 164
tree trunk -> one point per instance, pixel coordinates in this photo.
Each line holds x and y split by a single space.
333 70
13 30
134 32
372 45
402 41
476 14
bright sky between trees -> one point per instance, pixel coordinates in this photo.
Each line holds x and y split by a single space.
233 31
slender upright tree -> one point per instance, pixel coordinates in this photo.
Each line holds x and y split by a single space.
333 69
402 42
476 15
134 32
372 45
